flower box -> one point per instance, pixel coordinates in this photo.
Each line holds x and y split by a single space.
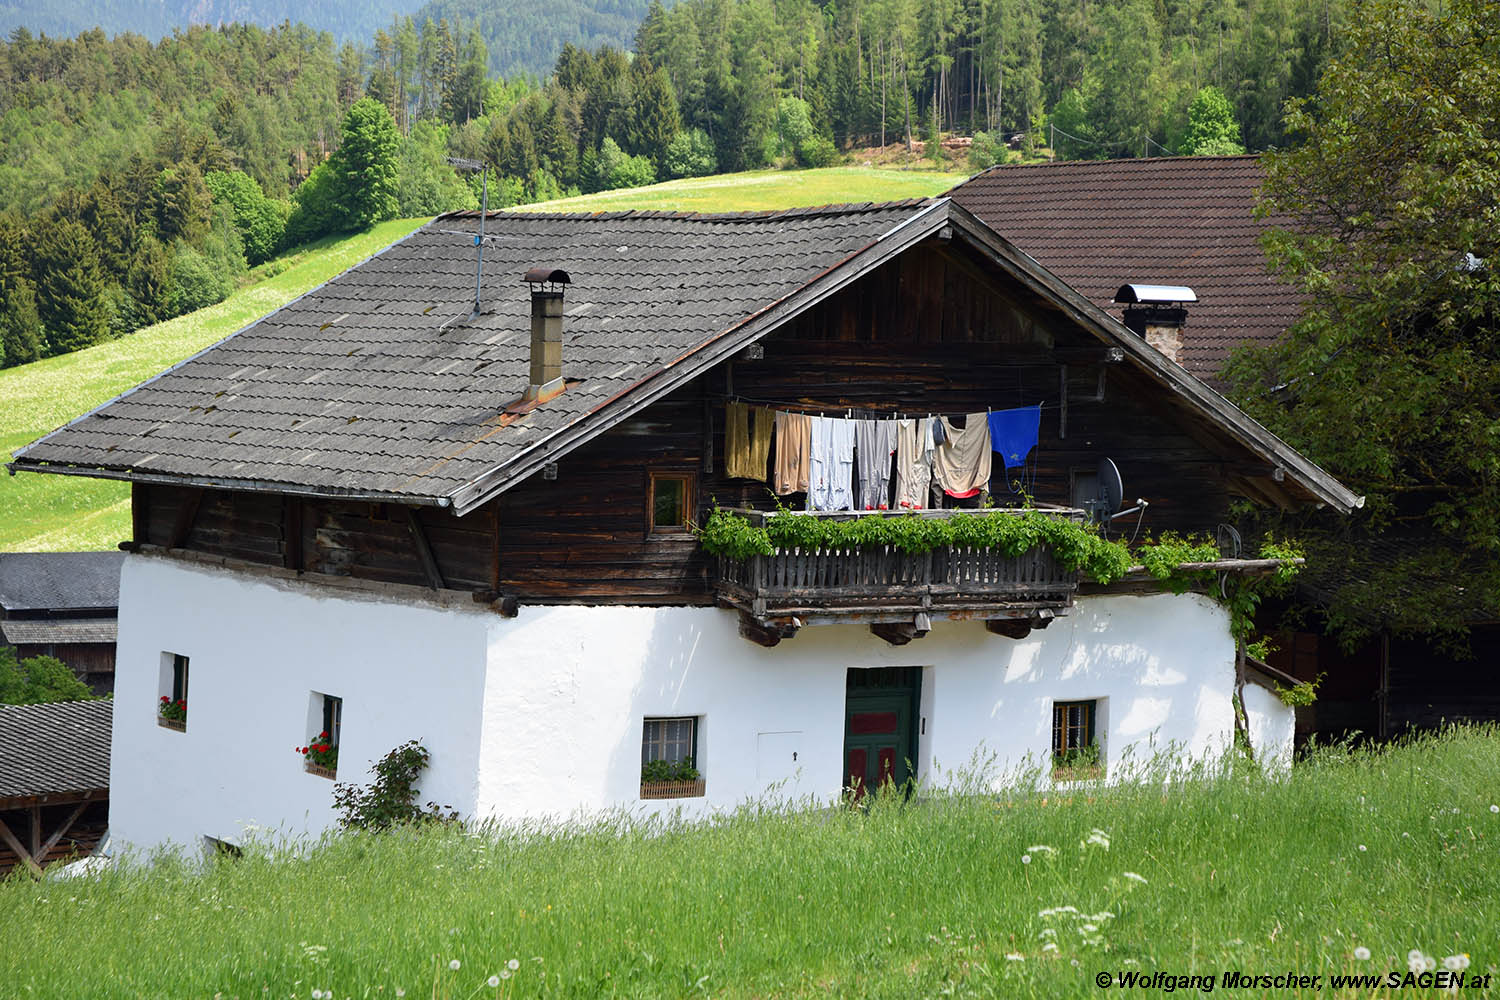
178 724
320 770
672 789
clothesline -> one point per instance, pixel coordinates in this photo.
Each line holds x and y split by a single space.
865 413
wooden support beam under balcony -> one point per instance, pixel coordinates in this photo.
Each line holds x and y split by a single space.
896 593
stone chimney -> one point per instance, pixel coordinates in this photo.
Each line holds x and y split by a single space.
1157 313
546 331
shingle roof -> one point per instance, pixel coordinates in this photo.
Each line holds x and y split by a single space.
32 581
54 749
357 387
37 631
1185 220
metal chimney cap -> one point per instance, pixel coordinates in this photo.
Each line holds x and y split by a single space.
540 275
1154 294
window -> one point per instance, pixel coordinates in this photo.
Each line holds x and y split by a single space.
669 759
1075 751
172 687
671 501
325 722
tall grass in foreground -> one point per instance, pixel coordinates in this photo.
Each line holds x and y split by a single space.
1388 850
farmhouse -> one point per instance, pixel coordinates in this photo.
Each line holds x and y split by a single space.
417 505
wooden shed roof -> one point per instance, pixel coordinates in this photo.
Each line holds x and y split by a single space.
55 750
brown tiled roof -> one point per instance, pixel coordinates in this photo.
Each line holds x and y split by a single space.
1183 220
357 388
54 749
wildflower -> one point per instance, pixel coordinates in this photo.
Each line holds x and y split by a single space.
1099 838
1456 963
492 982
400 992
1050 946
1041 849
505 973
455 964
1048 932
317 994
1134 877
1054 911
1025 859
1362 847
1014 956
1362 953
1494 808
1088 928
513 964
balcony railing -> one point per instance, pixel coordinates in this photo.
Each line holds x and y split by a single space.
875 585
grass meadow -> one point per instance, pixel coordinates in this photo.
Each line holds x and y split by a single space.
58 513
1029 894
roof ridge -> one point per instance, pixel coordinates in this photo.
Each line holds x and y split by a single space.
1120 162
749 215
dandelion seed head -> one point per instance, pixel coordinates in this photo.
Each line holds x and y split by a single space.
1362 847
492 982
513 964
1050 946
505 973
1025 859
1494 808
455 965
1014 956
1362 953
1415 955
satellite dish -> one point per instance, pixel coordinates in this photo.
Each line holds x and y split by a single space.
1104 508
1111 489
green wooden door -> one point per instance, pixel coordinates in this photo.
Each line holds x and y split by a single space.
880 737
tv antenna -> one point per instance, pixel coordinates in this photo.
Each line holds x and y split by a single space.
464 163
1105 508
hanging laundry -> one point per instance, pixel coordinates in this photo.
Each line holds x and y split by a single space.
1013 433
874 441
914 447
831 469
793 450
745 449
962 465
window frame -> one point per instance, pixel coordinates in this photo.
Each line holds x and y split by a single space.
1061 747
688 478
671 789
172 686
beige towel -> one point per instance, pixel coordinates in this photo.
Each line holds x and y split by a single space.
793 451
962 463
913 463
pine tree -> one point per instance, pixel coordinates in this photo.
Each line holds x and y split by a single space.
71 289
654 121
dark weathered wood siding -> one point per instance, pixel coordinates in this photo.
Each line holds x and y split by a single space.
928 333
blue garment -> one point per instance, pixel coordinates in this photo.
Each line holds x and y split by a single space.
1013 433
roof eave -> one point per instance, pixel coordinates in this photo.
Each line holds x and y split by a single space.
226 483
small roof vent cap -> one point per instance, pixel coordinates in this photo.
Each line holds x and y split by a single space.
547 275
1156 295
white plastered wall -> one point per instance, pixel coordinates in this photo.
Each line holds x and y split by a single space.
568 688
1272 726
257 648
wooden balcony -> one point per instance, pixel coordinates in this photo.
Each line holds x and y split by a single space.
896 593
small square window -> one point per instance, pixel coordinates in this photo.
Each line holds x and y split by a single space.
1075 750
671 501
172 688
669 759
325 721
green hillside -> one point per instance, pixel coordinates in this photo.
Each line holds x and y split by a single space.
57 513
